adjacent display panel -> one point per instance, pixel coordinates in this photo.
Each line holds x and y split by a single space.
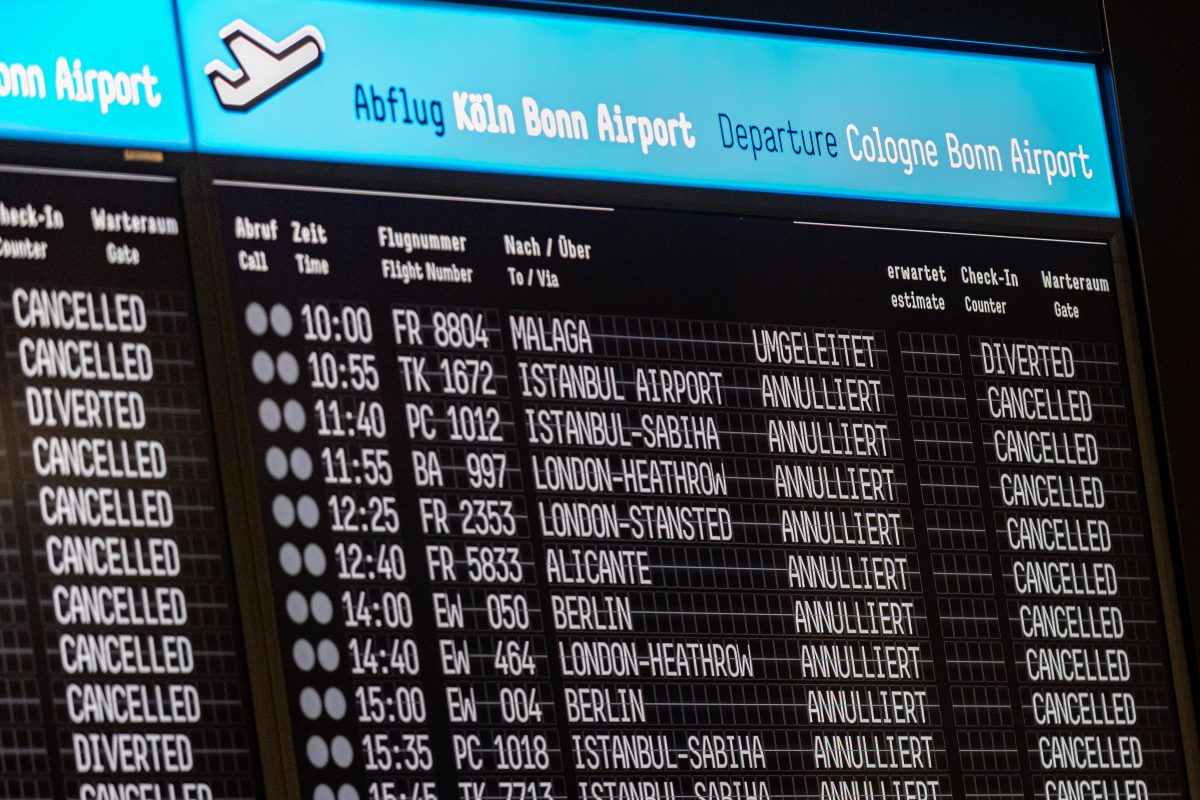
123 674
619 504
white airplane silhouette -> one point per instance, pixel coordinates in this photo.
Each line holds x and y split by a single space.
264 65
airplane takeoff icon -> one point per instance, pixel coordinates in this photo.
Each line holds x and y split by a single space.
264 66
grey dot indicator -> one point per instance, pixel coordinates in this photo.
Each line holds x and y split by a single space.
288 368
277 463
322 608
263 367
281 320
328 655
317 752
303 655
269 414
323 792
310 702
342 752
314 560
335 703
347 792
297 608
256 319
293 415
302 465
284 511
289 559
307 511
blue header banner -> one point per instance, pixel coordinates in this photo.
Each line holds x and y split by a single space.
423 84
433 85
88 72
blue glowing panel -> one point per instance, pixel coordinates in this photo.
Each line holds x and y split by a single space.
451 87
88 72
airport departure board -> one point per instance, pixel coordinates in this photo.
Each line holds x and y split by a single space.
614 504
489 401
123 675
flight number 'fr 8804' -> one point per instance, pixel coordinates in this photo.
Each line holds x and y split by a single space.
455 330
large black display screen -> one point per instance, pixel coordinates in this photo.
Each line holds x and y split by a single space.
617 504
121 668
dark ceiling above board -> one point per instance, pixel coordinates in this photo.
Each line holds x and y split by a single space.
1070 25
